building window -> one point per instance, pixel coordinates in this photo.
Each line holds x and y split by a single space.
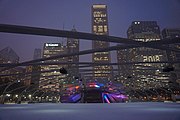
97 14
94 28
103 15
100 28
105 28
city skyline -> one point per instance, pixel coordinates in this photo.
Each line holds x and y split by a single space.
144 70
65 14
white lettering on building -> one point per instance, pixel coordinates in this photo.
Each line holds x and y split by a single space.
152 58
52 45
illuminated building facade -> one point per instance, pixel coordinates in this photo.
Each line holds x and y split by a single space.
124 70
143 75
8 55
51 81
28 77
172 33
173 56
73 46
100 27
35 76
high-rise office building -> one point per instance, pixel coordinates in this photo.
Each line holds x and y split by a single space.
37 53
172 33
8 55
124 70
35 76
51 81
28 77
100 27
143 75
73 46
173 56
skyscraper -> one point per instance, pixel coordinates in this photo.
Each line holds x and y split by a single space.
100 27
172 33
73 46
37 53
124 70
34 69
28 77
35 76
143 75
8 55
173 56
50 81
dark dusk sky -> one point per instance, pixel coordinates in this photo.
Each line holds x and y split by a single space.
55 13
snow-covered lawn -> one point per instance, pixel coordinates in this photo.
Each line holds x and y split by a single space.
100 111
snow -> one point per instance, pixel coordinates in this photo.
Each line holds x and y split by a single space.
96 111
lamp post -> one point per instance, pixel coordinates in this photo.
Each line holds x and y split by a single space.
20 96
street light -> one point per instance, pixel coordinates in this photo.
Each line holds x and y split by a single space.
2 97
30 96
8 95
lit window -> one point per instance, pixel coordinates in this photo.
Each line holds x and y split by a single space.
100 28
105 28
94 28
